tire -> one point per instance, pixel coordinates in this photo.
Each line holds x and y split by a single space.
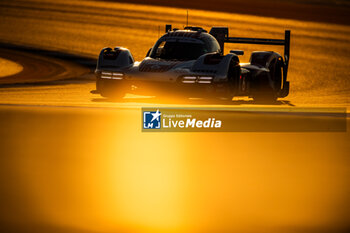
109 89
116 95
263 92
265 98
113 93
269 84
233 80
276 73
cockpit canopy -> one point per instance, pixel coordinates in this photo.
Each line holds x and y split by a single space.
184 46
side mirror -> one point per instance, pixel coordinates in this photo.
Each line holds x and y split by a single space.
148 53
167 28
237 52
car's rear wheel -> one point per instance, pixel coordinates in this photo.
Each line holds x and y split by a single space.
263 92
269 84
265 97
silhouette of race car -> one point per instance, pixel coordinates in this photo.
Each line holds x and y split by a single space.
191 62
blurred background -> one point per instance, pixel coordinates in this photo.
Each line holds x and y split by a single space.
331 11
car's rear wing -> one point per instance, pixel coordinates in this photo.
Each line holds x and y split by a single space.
221 35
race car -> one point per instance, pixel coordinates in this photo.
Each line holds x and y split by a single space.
192 62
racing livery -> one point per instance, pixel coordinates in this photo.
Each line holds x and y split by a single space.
192 62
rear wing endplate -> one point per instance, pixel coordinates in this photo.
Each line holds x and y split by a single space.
285 43
221 35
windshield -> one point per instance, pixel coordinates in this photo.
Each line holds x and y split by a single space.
176 50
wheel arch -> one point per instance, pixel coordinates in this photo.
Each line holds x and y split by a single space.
216 64
118 57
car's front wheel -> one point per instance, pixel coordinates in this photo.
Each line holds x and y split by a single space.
233 75
113 95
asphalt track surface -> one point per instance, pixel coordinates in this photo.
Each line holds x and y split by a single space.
75 162
328 11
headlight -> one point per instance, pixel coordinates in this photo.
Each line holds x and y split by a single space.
205 79
189 79
112 75
197 79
